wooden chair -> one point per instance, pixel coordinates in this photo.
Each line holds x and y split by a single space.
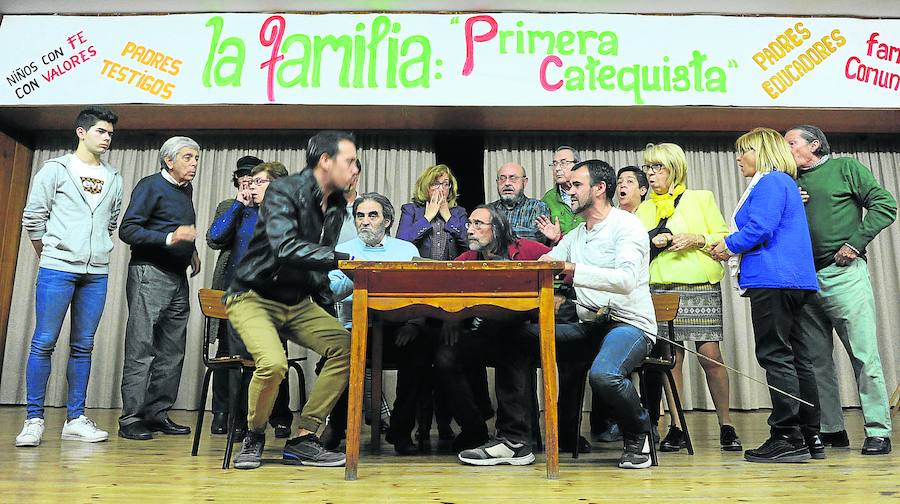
895 402
660 360
212 306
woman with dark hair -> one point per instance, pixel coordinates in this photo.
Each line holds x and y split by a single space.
233 229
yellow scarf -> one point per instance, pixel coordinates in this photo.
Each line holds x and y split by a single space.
665 203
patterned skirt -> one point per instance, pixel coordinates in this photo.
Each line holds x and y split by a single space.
699 311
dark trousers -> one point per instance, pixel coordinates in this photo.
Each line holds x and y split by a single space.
786 356
413 363
158 310
512 348
460 372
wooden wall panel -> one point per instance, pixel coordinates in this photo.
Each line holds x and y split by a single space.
15 175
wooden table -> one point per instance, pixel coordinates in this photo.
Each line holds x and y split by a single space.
451 290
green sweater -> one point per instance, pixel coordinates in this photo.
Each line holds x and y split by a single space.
558 208
838 190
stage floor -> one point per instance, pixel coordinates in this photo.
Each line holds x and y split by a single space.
163 471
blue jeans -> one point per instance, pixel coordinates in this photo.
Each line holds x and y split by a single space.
622 350
55 291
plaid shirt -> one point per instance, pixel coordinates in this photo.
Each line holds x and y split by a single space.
522 215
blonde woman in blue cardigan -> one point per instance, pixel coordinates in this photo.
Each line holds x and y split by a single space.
770 255
682 224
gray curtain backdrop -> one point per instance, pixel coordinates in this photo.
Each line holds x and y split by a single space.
712 166
391 164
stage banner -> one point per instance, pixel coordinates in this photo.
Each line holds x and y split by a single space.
508 59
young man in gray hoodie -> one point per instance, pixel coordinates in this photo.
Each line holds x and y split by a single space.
70 216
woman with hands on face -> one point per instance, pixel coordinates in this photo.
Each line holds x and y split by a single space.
682 223
433 221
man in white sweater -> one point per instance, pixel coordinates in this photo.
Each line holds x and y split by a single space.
608 258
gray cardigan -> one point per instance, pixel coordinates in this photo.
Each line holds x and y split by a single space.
76 238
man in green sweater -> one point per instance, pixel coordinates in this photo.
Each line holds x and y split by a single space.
562 218
836 190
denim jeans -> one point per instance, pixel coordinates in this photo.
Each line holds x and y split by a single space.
622 350
55 291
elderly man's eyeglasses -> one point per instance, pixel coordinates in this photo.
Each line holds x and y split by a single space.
653 168
445 185
477 224
562 163
259 181
511 178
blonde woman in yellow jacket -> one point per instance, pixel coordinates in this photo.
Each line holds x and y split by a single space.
683 224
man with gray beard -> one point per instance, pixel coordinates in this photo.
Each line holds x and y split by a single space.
405 345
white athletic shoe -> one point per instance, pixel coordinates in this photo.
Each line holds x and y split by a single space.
32 432
83 429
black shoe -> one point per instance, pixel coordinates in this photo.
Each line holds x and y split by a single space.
779 449
610 435
308 450
673 441
565 444
445 433
498 451
219 423
876 445
729 439
282 431
816 447
403 446
636 454
167 426
136 431
331 437
239 434
250 455
835 439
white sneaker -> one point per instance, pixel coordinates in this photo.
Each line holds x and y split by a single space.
83 429
32 432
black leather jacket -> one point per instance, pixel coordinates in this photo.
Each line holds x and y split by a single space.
292 248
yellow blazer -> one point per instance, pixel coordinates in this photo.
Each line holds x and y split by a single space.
698 213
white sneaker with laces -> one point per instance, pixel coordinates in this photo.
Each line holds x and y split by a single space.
32 432
83 429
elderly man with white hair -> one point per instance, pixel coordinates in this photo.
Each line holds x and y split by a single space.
159 224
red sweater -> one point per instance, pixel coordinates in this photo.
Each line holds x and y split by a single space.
520 250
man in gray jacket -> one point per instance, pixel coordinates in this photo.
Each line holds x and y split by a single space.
71 213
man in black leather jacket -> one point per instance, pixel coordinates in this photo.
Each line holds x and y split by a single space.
276 289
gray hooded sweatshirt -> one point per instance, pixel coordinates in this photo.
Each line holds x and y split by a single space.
76 238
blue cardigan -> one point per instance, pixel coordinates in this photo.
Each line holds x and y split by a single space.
773 237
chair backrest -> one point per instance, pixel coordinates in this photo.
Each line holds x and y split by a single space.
213 308
666 307
211 303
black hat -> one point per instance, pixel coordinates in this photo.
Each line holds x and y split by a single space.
245 164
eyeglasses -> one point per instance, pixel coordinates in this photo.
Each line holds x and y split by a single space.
653 168
259 181
512 178
561 163
477 224
445 185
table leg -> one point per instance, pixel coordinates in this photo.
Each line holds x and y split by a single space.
357 376
375 403
548 367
